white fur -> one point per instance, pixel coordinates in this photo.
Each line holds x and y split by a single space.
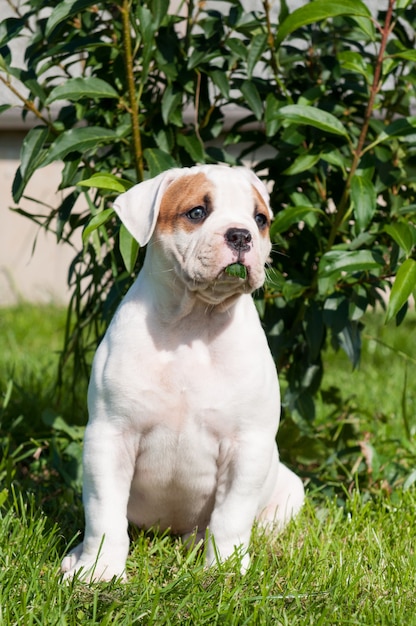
184 399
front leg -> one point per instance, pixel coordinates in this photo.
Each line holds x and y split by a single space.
108 463
238 498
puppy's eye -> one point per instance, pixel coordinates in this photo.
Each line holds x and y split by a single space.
261 220
197 214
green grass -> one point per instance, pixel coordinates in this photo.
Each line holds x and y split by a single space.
365 425
352 565
349 558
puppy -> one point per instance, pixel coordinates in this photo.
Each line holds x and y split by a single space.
184 398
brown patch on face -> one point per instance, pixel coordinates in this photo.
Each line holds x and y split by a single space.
261 207
184 194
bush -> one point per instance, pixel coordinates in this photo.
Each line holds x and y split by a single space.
319 102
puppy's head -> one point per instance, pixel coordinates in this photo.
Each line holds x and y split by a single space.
201 220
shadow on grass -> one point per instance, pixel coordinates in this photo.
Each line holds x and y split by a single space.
40 450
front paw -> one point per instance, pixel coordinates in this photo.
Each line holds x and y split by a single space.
97 567
217 556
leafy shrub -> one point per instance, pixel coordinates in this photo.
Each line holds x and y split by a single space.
320 103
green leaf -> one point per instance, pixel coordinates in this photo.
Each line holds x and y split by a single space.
270 114
402 127
76 88
106 181
220 80
355 62
197 57
364 198
334 157
129 248
311 116
317 11
3 64
403 286
146 22
408 55
97 221
366 25
71 172
335 312
302 163
159 10
250 93
148 27
236 269
79 140
237 47
293 290
64 10
348 261
327 284
31 155
403 234
158 161
193 147
10 29
256 48
350 341
56 422
290 215
172 106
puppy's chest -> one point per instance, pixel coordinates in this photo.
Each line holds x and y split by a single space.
185 367
192 385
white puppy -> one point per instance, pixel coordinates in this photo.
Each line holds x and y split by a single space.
184 399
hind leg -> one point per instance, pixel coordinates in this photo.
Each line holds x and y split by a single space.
286 500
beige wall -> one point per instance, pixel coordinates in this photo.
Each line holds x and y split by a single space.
37 274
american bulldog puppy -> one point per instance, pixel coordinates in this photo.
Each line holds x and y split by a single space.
184 400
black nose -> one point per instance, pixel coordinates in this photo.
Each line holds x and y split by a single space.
238 238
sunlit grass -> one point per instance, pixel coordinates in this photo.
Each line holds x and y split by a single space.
344 560
333 565
30 338
386 376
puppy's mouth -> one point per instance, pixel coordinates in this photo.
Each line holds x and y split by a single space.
228 284
236 270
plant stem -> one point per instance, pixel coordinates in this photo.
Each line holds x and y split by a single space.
189 20
28 103
358 152
270 37
272 47
197 96
133 103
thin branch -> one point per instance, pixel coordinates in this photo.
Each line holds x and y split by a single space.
14 8
197 97
272 47
29 104
189 23
358 152
133 103
270 37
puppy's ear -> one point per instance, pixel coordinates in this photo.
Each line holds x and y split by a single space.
260 187
138 207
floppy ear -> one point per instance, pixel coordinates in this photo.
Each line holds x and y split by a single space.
261 188
138 207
